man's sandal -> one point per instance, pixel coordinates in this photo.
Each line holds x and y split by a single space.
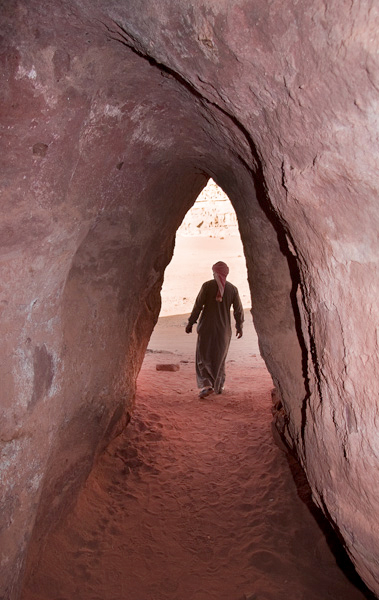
205 392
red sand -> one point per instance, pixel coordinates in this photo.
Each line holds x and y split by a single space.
194 501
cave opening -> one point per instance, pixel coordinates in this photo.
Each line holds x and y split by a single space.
208 233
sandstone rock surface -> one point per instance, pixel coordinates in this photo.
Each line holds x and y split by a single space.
114 117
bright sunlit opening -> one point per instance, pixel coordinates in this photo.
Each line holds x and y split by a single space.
209 233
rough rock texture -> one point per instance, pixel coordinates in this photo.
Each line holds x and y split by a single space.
114 116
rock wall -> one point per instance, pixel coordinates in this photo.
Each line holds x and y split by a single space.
115 116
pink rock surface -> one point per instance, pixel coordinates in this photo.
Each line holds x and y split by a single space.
103 152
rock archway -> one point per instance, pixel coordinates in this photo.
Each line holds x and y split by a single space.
115 118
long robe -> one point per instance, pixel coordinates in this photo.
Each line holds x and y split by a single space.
214 332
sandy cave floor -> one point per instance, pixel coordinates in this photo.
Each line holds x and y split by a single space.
194 501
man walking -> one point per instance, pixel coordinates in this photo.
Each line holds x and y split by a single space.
214 302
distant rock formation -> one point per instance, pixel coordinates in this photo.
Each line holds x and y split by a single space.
212 214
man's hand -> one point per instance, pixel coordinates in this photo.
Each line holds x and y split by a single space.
189 328
238 334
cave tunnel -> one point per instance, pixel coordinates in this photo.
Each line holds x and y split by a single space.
115 116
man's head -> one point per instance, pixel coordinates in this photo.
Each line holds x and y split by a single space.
220 273
221 269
